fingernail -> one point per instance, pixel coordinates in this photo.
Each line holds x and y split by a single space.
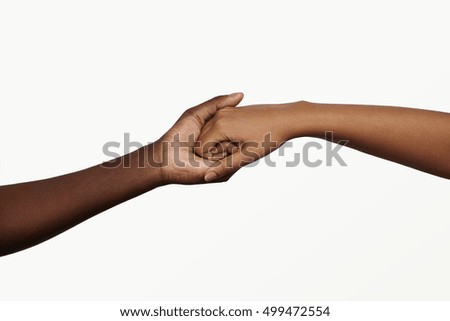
210 176
235 94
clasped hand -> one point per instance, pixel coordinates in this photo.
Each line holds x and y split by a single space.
211 141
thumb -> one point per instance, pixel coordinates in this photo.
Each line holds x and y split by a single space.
205 111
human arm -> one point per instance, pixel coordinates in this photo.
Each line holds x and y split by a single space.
413 137
33 212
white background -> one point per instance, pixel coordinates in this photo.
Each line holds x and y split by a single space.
76 74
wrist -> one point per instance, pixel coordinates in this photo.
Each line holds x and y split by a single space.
299 119
134 171
149 161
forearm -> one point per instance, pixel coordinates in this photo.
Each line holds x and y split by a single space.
413 137
36 211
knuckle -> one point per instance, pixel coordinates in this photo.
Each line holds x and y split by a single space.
220 114
189 111
194 114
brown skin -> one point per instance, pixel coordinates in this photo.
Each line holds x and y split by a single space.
413 137
33 212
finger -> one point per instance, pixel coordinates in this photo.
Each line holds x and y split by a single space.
228 165
207 126
224 178
205 111
222 150
211 142
231 147
213 134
